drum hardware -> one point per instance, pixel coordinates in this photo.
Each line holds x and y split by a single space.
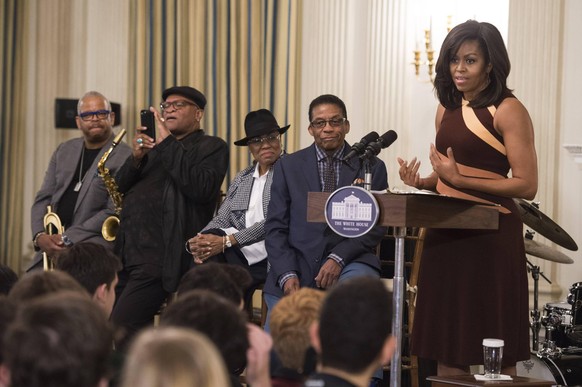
550 348
537 220
535 323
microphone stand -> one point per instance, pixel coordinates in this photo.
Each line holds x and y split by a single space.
398 287
367 175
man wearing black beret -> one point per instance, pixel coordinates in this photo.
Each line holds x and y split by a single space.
170 187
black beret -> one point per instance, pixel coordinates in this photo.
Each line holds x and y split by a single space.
188 92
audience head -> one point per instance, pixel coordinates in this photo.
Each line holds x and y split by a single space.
40 283
291 319
95 268
7 278
7 314
229 281
217 318
61 340
328 122
95 118
173 357
354 326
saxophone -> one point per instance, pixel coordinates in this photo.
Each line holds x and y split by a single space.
111 224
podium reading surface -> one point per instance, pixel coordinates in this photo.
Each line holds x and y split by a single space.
469 380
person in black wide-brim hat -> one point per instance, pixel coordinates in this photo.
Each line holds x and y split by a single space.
236 234
259 123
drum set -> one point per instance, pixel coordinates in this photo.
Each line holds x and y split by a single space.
558 357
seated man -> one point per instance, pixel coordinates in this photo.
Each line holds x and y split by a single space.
353 337
306 254
236 234
60 340
95 268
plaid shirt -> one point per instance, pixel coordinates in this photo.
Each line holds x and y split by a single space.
322 162
232 211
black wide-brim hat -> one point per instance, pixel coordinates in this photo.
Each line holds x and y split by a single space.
186 91
258 123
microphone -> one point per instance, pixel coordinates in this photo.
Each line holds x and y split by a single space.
359 147
383 142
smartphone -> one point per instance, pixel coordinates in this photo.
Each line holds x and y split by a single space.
148 120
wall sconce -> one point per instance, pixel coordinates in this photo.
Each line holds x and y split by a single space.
429 53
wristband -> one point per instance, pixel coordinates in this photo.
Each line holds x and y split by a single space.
35 239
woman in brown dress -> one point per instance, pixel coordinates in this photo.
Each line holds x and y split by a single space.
473 283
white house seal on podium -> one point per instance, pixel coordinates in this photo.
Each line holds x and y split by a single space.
351 211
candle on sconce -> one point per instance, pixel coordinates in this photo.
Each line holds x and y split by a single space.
430 33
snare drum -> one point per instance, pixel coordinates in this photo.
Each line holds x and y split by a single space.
566 371
562 313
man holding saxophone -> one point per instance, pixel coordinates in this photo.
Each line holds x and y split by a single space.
72 187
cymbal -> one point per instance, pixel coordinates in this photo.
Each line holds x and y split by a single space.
542 251
534 218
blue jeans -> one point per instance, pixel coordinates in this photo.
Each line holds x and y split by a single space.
352 270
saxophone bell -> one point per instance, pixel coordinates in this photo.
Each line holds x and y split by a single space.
110 227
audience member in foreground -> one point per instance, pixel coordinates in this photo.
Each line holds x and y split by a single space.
226 326
60 340
228 280
353 337
40 283
294 358
173 357
95 268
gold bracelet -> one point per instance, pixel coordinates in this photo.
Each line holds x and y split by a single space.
223 243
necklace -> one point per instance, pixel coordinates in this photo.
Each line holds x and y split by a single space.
81 177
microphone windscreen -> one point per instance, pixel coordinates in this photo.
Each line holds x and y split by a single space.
388 138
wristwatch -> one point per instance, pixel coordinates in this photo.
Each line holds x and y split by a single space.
227 241
66 241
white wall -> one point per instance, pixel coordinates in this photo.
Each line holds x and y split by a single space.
569 201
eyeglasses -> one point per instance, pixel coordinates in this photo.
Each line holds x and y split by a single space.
334 123
177 105
272 140
100 114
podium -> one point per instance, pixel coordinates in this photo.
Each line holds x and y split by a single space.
402 210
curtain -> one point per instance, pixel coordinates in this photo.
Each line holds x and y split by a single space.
12 142
243 55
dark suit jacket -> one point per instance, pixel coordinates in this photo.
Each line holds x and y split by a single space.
93 204
295 245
